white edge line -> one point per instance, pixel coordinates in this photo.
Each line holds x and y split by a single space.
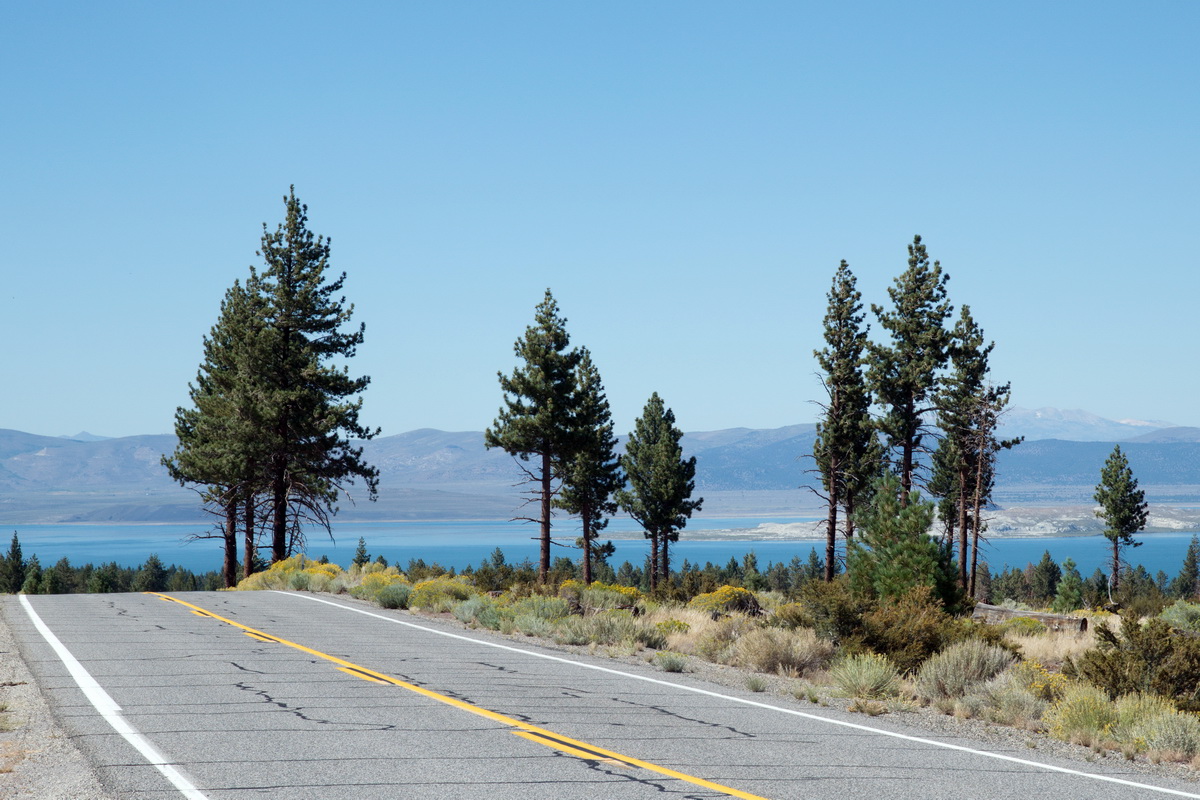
756 704
111 712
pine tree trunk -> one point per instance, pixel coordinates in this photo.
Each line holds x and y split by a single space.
831 524
279 500
653 560
976 522
963 577
664 563
1115 581
544 568
248 535
231 518
587 547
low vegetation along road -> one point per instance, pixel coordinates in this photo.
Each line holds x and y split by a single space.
291 695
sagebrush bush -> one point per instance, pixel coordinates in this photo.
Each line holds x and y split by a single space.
478 610
394 595
959 668
1183 615
541 606
1008 700
609 627
776 650
1175 736
868 675
717 641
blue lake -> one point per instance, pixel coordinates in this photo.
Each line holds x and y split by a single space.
459 544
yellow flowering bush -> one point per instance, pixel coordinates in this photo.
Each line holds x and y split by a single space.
725 600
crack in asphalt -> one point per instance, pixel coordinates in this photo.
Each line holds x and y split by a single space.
669 713
297 711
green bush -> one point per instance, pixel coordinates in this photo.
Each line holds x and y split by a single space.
478 610
833 611
909 629
394 595
542 607
1148 658
960 668
1183 615
299 581
865 675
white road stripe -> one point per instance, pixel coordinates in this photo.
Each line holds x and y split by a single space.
755 703
108 708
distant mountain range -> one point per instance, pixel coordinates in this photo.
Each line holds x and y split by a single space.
431 474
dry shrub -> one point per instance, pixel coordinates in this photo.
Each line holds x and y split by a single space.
1008 700
1083 716
716 643
960 668
793 652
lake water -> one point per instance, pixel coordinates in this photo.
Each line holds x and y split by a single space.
459 544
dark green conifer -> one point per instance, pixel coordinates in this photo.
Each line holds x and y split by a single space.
846 449
537 422
1123 508
593 473
310 406
1186 585
903 374
661 482
894 552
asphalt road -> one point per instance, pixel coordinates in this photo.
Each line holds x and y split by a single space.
291 695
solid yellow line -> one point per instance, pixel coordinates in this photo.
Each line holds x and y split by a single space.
584 754
556 740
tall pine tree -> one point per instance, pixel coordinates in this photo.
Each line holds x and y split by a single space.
904 373
1123 508
661 482
537 423
311 407
593 474
219 445
846 449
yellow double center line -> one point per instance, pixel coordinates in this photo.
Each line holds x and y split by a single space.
523 729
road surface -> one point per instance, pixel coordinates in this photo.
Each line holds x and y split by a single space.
295 695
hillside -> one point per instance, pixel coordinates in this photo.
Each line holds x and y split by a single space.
432 474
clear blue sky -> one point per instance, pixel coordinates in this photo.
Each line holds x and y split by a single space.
684 176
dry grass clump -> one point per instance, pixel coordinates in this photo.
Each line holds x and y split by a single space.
865 675
1052 648
791 652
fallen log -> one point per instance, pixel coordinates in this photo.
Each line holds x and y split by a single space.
994 615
